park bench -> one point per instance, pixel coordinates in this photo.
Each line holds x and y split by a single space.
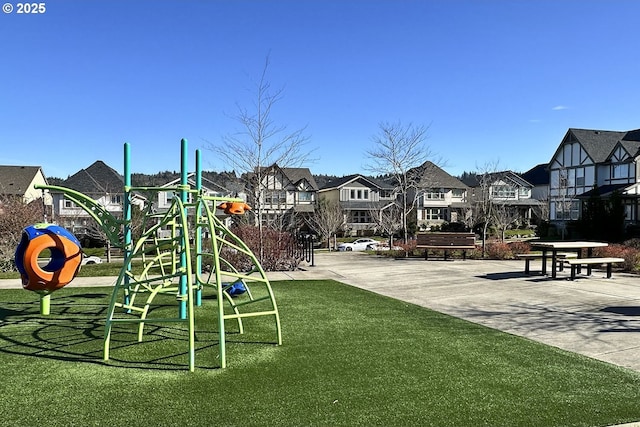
579 262
531 256
446 242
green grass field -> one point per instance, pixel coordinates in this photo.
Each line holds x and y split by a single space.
349 358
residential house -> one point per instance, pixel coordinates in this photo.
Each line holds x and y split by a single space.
361 198
209 188
102 184
282 195
439 197
538 176
510 195
20 181
588 161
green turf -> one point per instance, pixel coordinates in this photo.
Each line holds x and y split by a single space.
349 358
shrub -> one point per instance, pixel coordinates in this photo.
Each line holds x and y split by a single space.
520 248
630 254
278 252
498 250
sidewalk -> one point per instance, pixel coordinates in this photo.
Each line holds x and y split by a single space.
593 316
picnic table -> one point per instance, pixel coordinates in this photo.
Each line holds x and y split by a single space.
564 246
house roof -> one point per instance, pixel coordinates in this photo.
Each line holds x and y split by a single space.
537 175
604 190
16 180
96 179
295 175
599 143
340 182
432 176
474 180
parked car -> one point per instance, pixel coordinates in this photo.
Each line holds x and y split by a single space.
383 247
358 245
90 260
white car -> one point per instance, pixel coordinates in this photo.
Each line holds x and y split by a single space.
358 245
90 260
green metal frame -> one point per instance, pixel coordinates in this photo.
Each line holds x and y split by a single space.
167 266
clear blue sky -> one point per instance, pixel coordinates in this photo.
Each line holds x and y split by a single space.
494 80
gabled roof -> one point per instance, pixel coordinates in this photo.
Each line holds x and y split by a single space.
295 175
206 183
96 179
432 176
599 144
537 175
16 180
370 182
474 181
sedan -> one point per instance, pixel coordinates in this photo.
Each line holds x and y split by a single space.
358 245
91 260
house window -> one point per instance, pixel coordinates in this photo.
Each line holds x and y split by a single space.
360 217
116 199
432 194
433 214
503 191
457 193
275 198
620 170
353 194
68 203
305 196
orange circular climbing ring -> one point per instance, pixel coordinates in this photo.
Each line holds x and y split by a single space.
64 262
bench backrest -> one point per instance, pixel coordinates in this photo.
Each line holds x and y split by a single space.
446 239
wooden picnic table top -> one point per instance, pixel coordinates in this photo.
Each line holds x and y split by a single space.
568 245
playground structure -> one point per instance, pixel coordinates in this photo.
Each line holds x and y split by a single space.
171 257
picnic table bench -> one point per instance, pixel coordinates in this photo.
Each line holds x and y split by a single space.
576 263
445 242
561 256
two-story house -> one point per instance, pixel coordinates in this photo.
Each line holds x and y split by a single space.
594 160
102 184
510 195
361 199
439 196
20 181
281 195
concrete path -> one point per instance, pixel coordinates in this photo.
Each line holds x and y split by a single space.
594 316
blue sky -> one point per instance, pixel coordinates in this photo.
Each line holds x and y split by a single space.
494 80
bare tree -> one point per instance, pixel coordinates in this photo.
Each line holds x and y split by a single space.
15 215
388 219
397 149
481 199
261 142
327 220
503 216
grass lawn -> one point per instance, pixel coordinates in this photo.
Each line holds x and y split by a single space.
349 358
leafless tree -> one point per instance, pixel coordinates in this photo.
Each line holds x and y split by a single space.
261 142
564 198
327 220
388 219
15 215
503 216
397 149
481 199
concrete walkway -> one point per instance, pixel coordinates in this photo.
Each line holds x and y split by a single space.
593 316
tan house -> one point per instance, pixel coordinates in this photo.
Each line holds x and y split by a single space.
20 181
361 198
